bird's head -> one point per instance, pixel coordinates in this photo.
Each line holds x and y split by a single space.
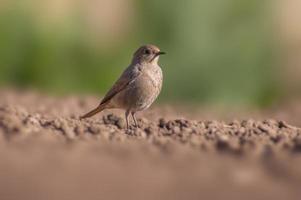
147 54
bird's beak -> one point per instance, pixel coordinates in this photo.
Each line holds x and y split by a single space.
160 53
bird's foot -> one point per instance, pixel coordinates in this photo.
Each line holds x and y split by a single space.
130 130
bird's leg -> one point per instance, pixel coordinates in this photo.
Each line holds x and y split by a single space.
127 119
134 118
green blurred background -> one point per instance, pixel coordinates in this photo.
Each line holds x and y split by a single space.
229 52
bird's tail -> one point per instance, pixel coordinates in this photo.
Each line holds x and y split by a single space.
94 111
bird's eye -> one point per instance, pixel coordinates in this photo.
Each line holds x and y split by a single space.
146 51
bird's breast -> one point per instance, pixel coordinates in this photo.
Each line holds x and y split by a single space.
155 76
145 89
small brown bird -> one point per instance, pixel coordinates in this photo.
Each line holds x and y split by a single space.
137 87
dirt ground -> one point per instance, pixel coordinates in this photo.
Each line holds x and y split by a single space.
176 153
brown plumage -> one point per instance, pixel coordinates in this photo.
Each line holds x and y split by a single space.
137 87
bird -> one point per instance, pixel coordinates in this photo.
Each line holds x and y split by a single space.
138 86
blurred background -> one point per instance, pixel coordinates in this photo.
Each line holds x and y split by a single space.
228 52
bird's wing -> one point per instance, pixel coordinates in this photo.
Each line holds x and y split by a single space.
124 80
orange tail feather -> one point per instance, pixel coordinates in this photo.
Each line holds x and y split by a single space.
93 112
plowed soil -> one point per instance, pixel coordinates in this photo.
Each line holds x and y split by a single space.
176 153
